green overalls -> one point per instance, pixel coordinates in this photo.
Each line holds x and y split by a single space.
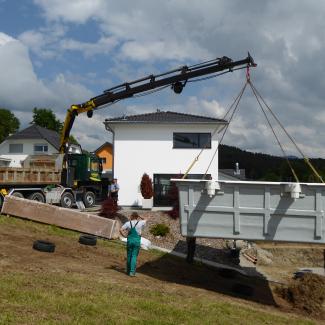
133 247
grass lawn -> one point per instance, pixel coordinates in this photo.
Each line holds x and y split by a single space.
86 285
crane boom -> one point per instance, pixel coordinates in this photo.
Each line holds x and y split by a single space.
175 78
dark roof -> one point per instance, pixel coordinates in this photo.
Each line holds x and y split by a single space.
232 173
165 117
37 132
103 145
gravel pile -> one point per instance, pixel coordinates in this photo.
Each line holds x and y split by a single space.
211 249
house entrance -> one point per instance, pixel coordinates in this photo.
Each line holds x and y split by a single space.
162 187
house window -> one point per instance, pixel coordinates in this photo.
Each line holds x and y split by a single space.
40 148
191 140
162 187
16 148
103 160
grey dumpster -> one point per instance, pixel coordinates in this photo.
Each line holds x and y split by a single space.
252 210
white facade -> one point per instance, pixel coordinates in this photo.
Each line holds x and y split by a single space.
17 158
148 148
28 146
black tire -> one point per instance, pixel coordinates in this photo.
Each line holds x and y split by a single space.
18 194
89 199
89 240
44 246
37 196
67 200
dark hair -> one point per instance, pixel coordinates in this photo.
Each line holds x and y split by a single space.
134 216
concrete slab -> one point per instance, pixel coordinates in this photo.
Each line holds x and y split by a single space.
61 217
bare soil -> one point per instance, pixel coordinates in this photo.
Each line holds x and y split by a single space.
164 272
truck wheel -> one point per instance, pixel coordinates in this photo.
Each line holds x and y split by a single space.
37 196
89 199
44 246
67 200
18 194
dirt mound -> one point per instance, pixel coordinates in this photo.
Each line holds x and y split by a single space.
307 293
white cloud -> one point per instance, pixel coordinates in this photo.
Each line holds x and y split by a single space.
21 90
286 40
77 11
103 46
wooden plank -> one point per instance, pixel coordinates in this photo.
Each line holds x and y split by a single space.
61 217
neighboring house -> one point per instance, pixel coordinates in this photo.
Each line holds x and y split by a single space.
105 152
33 140
163 145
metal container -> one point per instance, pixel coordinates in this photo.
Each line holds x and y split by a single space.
252 210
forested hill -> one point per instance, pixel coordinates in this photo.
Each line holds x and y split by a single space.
260 166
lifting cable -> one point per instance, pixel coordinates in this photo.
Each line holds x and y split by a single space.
236 102
273 131
306 159
260 100
237 99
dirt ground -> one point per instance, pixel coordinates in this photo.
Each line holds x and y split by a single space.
162 271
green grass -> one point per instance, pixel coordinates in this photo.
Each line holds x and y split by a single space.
60 297
77 299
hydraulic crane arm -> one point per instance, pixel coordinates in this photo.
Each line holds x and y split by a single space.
175 78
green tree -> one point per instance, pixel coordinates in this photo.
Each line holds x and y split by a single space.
46 118
9 123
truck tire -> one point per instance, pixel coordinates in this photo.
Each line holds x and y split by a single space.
37 196
44 246
89 240
18 194
89 199
67 200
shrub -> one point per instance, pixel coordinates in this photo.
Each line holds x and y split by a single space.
109 208
146 186
174 198
160 229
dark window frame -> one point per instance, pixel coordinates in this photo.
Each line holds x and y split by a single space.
162 187
16 145
199 144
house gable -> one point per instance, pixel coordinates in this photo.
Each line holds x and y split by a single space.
147 147
31 140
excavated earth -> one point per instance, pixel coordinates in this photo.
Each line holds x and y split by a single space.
162 270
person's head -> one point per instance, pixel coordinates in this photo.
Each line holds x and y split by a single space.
114 180
134 216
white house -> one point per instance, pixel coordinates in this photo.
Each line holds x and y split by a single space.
163 145
33 140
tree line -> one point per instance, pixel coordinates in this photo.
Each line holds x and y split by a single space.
43 117
263 167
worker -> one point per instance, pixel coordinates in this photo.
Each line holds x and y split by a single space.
114 188
132 229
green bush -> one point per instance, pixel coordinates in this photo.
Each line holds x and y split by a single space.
159 229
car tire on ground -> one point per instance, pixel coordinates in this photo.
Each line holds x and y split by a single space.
67 200
44 246
37 196
18 194
89 240
89 199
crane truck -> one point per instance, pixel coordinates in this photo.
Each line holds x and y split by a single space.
66 178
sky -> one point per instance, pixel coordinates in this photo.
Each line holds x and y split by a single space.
55 53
